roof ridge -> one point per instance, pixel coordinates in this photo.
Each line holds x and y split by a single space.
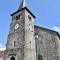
49 30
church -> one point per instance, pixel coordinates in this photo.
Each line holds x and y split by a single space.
27 41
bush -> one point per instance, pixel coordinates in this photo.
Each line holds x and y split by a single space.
40 57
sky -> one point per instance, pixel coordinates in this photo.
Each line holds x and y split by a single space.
47 14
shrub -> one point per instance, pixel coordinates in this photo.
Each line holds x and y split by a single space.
40 57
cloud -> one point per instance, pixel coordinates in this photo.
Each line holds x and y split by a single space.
55 28
2 48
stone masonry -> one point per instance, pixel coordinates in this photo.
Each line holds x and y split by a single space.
47 43
22 43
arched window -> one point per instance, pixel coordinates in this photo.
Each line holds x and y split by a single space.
12 58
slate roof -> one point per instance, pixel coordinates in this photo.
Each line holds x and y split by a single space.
48 30
23 4
21 10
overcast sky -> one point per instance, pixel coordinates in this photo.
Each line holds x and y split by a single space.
47 14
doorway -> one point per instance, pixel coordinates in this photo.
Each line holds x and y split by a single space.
12 58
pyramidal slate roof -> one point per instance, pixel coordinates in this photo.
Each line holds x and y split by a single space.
22 5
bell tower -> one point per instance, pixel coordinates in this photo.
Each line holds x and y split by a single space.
21 42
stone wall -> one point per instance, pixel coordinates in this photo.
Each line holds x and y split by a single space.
47 43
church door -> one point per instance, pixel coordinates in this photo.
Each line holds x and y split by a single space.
12 58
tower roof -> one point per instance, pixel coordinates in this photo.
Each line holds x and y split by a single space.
22 5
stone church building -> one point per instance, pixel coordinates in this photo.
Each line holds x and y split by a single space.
27 41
